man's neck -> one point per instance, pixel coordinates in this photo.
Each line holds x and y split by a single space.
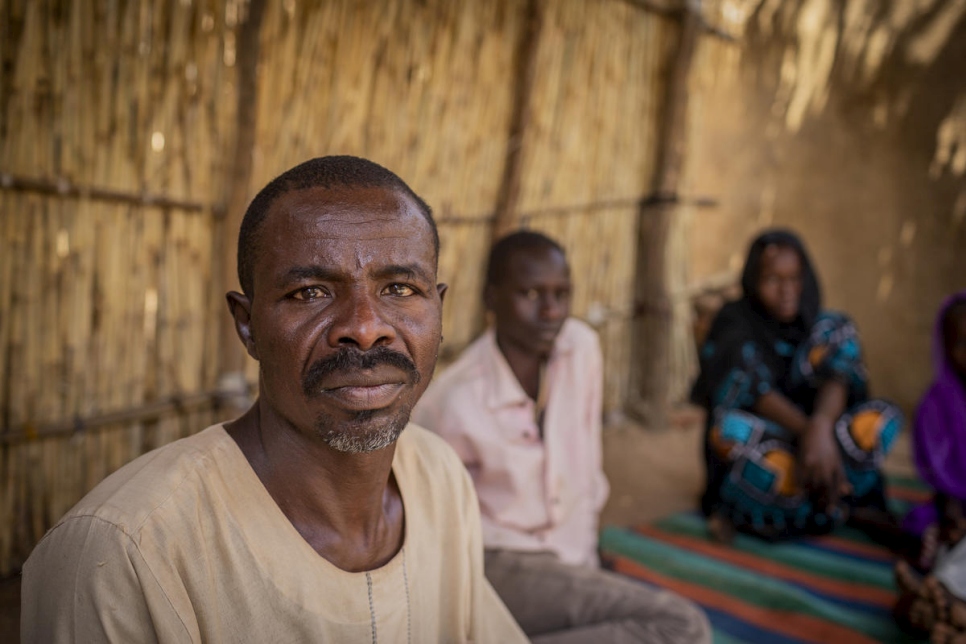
524 364
346 506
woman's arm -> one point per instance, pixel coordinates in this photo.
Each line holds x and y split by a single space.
820 465
821 468
777 408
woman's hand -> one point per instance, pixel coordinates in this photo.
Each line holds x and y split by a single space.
821 470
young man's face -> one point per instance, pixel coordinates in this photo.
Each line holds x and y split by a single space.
533 300
345 315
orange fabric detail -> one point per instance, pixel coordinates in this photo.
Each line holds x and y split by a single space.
783 465
816 354
719 444
865 430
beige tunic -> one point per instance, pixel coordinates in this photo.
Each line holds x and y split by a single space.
184 544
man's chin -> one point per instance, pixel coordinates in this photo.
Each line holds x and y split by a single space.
368 431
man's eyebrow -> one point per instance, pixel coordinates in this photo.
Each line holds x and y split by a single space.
303 273
411 271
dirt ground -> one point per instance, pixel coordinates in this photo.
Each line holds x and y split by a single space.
652 474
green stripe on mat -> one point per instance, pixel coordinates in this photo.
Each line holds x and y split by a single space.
750 587
908 482
720 637
789 553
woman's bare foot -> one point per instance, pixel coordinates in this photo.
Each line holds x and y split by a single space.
947 634
950 612
939 597
721 529
949 608
922 615
914 611
907 580
957 613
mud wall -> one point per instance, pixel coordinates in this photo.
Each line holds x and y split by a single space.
845 122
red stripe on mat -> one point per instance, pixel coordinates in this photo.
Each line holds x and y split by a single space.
843 589
789 624
869 550
909 495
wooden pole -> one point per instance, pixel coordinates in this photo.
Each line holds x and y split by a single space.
231 352
651 332
509 195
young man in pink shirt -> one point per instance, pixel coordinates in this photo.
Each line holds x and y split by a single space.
522 408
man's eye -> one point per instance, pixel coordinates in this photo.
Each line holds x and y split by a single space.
309 293
400 290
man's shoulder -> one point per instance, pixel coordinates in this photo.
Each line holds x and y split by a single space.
578 339
469 371
131 495
580 332
470 364
420 448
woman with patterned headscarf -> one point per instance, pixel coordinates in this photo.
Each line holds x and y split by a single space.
793 442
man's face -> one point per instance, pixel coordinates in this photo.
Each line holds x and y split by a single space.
533 300
345 317
780 282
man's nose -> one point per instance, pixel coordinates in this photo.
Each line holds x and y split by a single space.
552 307
359 321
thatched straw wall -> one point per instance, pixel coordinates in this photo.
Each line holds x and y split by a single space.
436 104
422 88
118 136
107 108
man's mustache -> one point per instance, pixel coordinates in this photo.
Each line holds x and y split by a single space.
349 359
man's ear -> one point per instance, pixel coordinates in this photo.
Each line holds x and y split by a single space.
441 289
241 309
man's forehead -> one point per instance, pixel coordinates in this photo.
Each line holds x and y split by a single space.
535 264
366 223
346 212
542 257
351 204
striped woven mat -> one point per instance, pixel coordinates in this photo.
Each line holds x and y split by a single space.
834 588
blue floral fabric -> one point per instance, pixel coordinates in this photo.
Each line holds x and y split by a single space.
752 461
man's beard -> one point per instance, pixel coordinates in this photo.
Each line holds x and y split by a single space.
365 432
371 429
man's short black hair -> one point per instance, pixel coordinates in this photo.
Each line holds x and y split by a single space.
506 247
321 172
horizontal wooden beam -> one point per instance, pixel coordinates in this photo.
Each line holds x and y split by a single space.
643 203
64 188
152 411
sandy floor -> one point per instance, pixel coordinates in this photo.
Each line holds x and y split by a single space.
652 474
